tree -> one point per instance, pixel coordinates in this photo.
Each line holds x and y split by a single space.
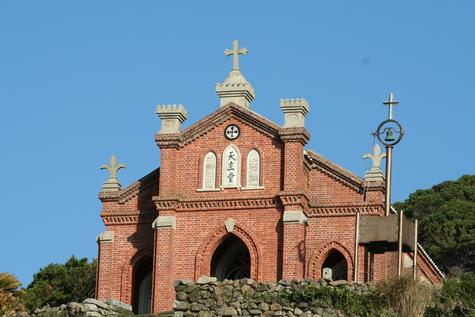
58 284
10 302
447 222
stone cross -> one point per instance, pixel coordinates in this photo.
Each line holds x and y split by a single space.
112 184
375 173
390 103
235 51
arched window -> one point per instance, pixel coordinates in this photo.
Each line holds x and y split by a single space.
253 169
209 171
231 167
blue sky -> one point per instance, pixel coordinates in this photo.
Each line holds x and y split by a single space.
80 80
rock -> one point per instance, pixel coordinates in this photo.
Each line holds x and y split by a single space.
206 280
93 314
197 307
180 305
181 296
298 311
255 312
228 311
263 306
117 305
204 314
90 307
339 283
275 306
96 302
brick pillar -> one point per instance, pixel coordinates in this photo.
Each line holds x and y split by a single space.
163 293
294 137
104 285
294 248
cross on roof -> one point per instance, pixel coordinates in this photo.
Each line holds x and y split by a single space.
390 103
235 51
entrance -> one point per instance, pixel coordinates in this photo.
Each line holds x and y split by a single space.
142 287
231 260
335 265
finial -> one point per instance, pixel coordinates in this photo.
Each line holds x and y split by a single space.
375 173
390 103
235 88
112 184
235 51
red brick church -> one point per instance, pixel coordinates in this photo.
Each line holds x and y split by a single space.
237 195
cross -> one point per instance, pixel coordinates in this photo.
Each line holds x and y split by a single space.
235 52
390 103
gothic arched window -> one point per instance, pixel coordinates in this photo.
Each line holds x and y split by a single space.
231 167
253 169
209 171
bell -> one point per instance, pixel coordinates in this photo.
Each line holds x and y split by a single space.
389 135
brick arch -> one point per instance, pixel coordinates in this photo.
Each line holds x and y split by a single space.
318 257
127 271
214 240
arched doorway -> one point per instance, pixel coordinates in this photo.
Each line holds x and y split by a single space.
335 266
142 287
231 260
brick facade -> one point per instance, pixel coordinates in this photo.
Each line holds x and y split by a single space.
191 221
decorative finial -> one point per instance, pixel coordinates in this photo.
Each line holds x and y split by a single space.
112 184
235 88
390 103
375 173
235 51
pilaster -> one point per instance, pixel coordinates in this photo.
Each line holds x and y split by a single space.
163 293
105 243
294 248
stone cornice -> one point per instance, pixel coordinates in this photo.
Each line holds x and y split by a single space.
335 171
128 217
344 210
293 199
215 204
206 124
294 135
172 140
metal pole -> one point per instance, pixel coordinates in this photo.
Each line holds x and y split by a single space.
399 254
415 249
389 162
357 242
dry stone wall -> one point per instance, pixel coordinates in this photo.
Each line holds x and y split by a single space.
88 308
246 297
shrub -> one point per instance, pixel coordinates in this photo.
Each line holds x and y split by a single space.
10 301
58 284
405 297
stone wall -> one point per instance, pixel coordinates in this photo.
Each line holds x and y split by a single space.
88 308
245 297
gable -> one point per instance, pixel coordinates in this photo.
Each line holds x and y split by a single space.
223 114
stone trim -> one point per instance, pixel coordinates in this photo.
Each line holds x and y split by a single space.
345 210
171 117
295 217
216 204
105 237
164 222
127 217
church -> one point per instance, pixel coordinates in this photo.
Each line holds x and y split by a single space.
239 196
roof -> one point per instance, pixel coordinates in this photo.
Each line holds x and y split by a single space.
334 170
